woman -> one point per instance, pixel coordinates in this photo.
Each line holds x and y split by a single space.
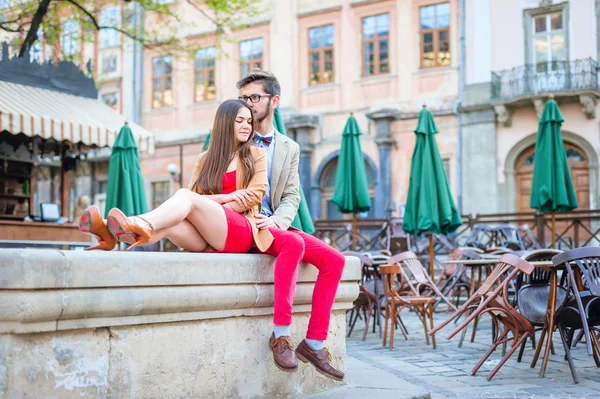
217 211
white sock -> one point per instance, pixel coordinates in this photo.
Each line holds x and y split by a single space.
281 330
316 344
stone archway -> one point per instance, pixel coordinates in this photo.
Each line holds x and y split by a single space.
580 173
324 180
517 153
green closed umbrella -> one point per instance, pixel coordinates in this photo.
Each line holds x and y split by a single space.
429 205
552 188
206 142
351 190
303 220
125 183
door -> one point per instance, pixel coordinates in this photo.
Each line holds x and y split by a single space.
580 174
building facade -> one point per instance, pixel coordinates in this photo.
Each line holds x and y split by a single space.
483 67
379 60
520 53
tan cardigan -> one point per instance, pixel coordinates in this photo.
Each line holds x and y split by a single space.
258 186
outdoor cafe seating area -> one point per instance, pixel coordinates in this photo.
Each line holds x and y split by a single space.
529 294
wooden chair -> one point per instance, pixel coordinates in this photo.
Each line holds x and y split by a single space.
582 309
366 300
395 303
453 279
488 299
419 278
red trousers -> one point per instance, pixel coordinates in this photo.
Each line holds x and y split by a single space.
290 247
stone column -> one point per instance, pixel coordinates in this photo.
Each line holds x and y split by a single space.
383 138
302 126
479 152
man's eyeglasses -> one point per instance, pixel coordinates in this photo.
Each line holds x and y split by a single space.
254 98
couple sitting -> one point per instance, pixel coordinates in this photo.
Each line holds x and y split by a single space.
243 195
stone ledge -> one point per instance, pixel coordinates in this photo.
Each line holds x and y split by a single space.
119 324
51 290
35 269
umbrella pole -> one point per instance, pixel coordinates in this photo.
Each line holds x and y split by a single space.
354 230
431 257
553 230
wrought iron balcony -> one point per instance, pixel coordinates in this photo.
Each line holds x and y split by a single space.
569 77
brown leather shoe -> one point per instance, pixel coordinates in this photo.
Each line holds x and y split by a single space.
321 359
283 353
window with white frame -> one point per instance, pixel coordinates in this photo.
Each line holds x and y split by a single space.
70 38
549 46
109 16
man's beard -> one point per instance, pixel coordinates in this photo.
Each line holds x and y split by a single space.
260 118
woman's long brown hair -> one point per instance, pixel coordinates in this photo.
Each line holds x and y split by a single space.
223 147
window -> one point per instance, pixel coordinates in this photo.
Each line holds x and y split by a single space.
251 53
112 100
162 86
205 74
160 193
549 42
109 63
435 35
320 54
109 16
375 44
70 38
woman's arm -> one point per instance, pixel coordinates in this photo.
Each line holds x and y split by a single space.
258 184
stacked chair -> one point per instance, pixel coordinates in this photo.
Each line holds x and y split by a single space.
492 298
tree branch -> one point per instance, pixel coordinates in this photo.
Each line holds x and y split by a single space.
101 27
33 29
205 14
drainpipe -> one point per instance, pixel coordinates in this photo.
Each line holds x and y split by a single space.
138 65
133 110
461 86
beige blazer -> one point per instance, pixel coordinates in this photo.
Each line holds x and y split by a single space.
258 186
285 181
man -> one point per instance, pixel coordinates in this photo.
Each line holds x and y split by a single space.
261 91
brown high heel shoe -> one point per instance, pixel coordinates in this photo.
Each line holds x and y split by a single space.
91 223
120 225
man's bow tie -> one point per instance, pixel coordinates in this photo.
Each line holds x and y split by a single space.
266 140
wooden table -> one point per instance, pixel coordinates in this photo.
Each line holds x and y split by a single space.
42 233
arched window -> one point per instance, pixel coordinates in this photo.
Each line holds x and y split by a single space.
329 210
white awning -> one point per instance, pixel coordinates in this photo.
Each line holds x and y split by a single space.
50 114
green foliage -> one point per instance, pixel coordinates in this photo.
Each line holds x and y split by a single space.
49 16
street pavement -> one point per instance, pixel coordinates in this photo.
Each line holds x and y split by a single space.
414 370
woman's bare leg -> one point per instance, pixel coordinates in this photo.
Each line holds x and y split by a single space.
207 217
184 235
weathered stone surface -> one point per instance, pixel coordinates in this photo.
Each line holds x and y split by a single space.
75 324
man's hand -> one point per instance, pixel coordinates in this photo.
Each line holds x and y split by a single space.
242 197
264 222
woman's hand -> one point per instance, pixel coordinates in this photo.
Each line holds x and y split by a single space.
242 197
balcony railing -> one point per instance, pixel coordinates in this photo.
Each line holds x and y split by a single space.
546 77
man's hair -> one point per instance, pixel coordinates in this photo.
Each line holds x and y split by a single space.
268 81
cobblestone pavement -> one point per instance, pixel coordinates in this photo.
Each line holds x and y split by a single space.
444 372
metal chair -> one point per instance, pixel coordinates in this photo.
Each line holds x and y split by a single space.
582 309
